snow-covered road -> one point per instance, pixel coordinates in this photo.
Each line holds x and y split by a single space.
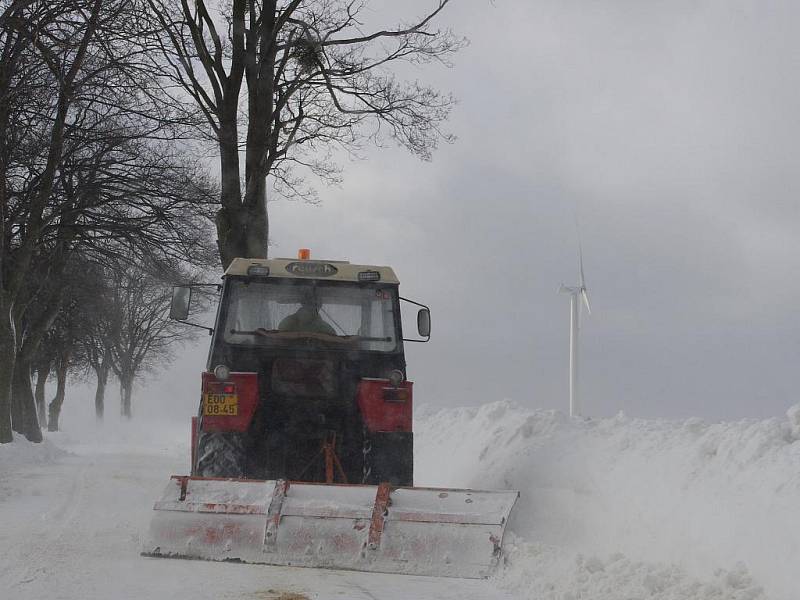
611 509
70 529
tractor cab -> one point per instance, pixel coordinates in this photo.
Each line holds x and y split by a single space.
306 375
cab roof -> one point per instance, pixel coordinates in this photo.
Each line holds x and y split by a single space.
310 269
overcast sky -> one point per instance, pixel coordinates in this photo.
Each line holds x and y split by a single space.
669 129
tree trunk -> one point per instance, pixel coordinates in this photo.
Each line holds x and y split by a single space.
233 219
257 232
125 393
230 222
57 402
242 231
8 353
42 373
260 73
23 407
100 391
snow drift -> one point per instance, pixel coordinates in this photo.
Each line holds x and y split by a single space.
629 508
23 453
611 509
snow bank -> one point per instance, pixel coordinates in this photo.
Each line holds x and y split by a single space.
83 436
21 453
18 457
662 509
548 573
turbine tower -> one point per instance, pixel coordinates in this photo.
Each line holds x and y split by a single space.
576 295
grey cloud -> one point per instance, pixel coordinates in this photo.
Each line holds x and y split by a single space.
671 128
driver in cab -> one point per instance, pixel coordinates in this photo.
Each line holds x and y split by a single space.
307 319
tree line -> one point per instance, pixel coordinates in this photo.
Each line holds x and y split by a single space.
108 112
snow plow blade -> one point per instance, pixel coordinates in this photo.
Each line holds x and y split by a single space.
415 531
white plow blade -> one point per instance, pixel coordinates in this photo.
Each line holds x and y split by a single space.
420 531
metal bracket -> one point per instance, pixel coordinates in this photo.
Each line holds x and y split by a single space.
379 512
274 515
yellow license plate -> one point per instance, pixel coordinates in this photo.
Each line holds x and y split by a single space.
220 405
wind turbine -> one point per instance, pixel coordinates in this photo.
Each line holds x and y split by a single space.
576 295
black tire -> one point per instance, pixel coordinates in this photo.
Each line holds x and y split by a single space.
389 457
221 454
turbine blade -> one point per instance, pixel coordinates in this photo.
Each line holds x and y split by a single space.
580 263
585 297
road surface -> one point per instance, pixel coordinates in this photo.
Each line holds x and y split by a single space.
71 529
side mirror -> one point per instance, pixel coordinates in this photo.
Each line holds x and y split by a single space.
181 299
424 322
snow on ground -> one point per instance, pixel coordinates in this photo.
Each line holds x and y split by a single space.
627 508
72 523
22 453
610 509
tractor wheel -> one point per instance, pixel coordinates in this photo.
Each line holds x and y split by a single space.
388 457
221 454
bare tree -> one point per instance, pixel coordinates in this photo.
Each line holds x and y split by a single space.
42 296
96 345
90 308
44 363
44 47
315 81
62 339
144 335
87 165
